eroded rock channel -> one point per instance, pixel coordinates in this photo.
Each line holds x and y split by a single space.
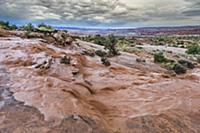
40 93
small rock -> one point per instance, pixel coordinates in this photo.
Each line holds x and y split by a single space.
198 59
75 72
62 38
100 53
65 60
45 64
140 60
89 52
179 69
105 61
186 64
69 40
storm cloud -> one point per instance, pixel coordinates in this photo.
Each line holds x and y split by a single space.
104 13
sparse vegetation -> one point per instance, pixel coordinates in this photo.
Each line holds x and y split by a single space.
100 53
98 39
44 28
179 67
193 49
110 45
89 52
29 27
159 58
7 26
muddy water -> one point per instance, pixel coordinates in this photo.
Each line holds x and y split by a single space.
118 99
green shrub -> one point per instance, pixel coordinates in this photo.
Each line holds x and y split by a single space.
123 45
100 53
159 58
110 45
29 27
193 49
89 52
44 28
98 39
7 26
27 34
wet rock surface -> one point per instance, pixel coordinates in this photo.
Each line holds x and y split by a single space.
85 96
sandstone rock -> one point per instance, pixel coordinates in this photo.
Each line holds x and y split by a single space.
62 38
89 52
179 69
105 61
187 64
100 53
140 60
65 60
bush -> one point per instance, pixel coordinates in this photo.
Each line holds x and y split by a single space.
100 53
89 52
7 26
98 39
193 49
27 34
123 45
111 42
159 58
29 27
44 28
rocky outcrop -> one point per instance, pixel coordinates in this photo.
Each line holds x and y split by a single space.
62 38
85 96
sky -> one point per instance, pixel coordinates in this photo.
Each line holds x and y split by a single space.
102 13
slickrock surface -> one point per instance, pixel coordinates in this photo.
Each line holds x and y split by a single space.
40 94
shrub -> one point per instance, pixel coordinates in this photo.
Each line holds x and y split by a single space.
100 53
193 49
7 26
111 42
159 58
89 52
98 39
123 45
27 34
44 28
29 27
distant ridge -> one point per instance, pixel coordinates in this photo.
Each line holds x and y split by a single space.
170 30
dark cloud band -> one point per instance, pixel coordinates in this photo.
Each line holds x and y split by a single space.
101 12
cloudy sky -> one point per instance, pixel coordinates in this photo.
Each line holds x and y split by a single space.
102 13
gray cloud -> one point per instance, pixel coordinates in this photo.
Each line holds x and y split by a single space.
102 12
193 8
